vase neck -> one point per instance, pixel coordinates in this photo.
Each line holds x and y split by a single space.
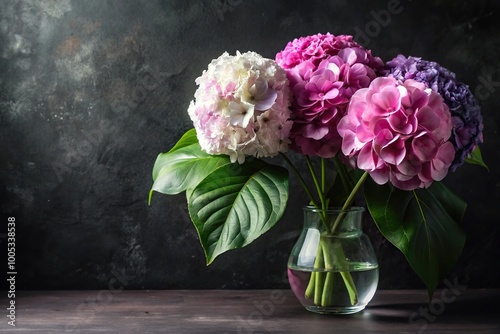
334 221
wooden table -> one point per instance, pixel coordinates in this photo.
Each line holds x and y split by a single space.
248 311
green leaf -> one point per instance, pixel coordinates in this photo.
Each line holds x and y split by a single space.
183 168
235 204
423 224
187 139
476 158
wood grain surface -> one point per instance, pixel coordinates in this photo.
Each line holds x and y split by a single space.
453 310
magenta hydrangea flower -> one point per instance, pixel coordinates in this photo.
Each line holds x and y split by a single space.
241 107
399 133
464 108
317 47
324 72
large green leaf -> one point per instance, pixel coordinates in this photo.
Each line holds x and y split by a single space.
423 224
235 204
183 168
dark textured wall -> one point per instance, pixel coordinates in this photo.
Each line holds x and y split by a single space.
92 91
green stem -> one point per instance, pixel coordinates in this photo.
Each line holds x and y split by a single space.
339 255
319 190
349 201
326 299
301 180
342 172
315 180
320 286
345 273
310 286
351 286
358 185
318 282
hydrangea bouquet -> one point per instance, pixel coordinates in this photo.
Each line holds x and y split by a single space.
392 131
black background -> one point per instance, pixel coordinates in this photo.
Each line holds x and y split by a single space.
92 91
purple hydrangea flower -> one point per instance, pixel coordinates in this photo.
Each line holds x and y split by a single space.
465 110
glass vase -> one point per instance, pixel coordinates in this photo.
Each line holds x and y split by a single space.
333 268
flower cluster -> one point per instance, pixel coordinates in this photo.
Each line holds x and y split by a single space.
324 72
465 111
399 133
406 122
241 107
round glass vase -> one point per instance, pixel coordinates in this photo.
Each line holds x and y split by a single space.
333 268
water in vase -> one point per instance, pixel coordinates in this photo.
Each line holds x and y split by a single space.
364 276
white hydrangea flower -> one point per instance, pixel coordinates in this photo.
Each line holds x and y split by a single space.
241 107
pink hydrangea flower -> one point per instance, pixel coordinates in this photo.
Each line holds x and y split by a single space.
241 107
399 133
317 47
324 72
